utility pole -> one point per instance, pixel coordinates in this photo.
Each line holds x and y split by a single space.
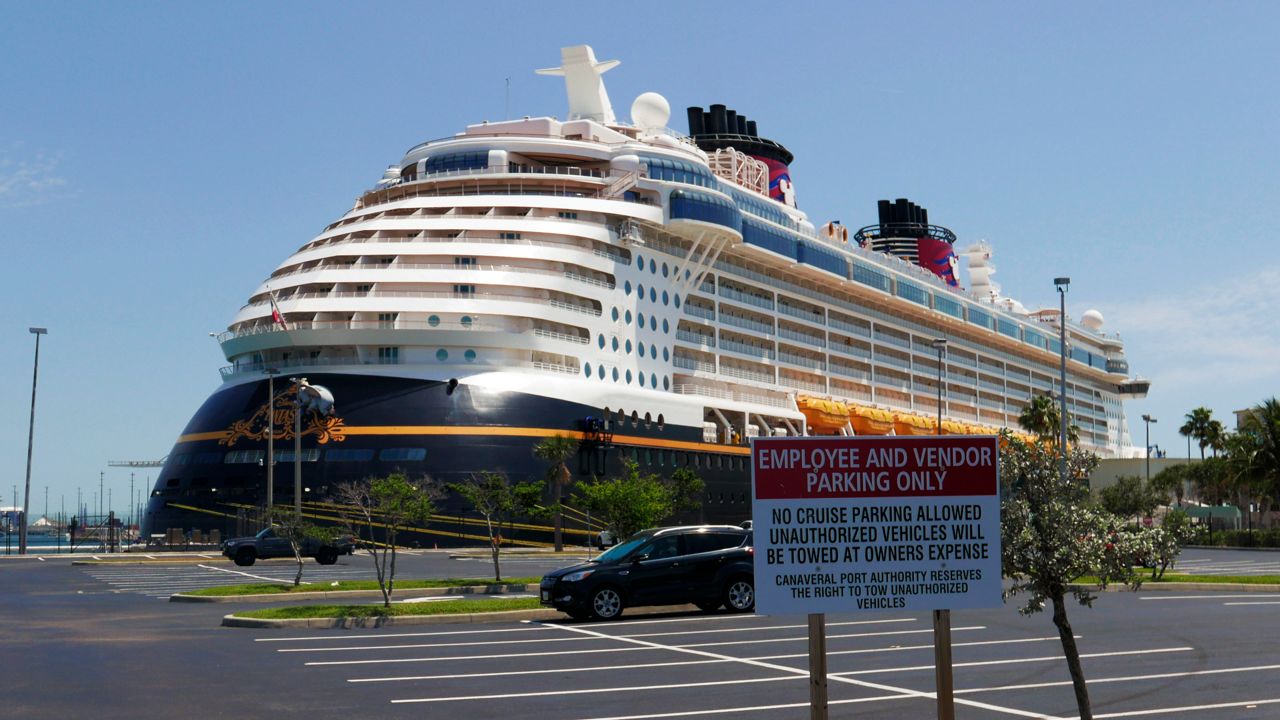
1061 284
132 504
31 432
100 495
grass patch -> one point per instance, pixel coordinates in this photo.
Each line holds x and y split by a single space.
1172 577
284 589
443 607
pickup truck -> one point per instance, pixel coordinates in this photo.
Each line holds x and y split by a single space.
266 544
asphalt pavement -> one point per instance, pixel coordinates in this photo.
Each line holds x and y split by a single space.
88 644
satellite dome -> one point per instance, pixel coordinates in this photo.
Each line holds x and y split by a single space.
650 111
1092 319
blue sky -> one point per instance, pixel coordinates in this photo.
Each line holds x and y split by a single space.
158 160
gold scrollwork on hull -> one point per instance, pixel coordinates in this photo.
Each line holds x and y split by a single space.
327 429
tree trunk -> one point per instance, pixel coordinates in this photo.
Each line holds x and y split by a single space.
495 548
1072 654
297 555
391 573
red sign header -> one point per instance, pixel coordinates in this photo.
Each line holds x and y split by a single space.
787 468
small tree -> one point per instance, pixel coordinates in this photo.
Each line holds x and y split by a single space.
629 503
496 499
1128 497
387 505
1170 480
1051 535
557 450
297 530
686 488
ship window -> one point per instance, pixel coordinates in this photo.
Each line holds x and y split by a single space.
241 457
662 422
433 321
676 301
648 421
457 161
653 323
628 317
648 456
586 369
640 316
442 355
628 347
665 270
615 314
466 321
653 379
179 460
653 295
653 266
640 379
470 356
464 289
635 418
402 454
363 288
640 291
601 341
615 344
666 383
666 354
387 320
287 456
640 349
600 372
622 416
464 262
640 262
869 277
628 377
509 236
697 459
567 215
388 355
665 297
616 374
626 288
349 455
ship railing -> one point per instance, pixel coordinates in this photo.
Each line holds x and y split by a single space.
696 338
745 374
522 269
392 325
815 340
551 367
742 297
746 349
722 394
851 351
578 339
258 367
802 360
586 310
689 363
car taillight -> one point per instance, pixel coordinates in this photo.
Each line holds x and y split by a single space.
751 551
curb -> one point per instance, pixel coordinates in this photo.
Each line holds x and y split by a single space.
469 618
351 594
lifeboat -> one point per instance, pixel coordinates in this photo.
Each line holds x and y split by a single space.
870 421
908 424
951 427
823 416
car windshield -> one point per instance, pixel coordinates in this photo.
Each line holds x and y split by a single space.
264 533
621 550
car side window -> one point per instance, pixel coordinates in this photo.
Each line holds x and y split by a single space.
663 547
711 541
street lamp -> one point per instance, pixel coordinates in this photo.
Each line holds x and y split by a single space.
271 437
1147 420
1061 284
31 433
940 345
299 383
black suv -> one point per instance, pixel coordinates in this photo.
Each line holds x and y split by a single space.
266 544
707 565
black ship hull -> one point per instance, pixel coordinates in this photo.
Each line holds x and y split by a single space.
215 477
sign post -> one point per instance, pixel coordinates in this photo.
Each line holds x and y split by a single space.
854 524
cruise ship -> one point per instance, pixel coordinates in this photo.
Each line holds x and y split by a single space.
655 295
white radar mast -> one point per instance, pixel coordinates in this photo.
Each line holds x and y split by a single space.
588 100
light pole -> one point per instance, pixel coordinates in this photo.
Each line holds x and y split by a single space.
940 345
297 448
31 434
1062 284
271 437
1147 420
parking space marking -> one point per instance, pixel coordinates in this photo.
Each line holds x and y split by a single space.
768 627
591 691
1127 678
530 628
1260 602
454 658
431 645
251 575
896 691
759 708
897 648
1012 661
161 582
1216 596
1188 708
805 638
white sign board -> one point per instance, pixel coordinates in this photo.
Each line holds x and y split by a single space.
845 524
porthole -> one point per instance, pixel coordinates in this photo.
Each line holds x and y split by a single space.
653 295
615 374
666 354
686 275
622 416
470 356
640 317
628 317
640 349
676 300
626 288
640 291
640 379
665 297
433 321
653 266
666 326
628 347
600 372
664 269
653 323
466 321
442 354
666 383
615 344
586 369
640 262
635 419
648 421
662 422
601 341
653 350
615 314
628 377
653 379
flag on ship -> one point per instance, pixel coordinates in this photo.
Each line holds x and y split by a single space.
276 315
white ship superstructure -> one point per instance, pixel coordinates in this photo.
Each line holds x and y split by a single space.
663 287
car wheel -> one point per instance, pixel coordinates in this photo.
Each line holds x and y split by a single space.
606 604
740 595
245 557
708 605
327 556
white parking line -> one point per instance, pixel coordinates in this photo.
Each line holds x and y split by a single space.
1189 708
530 628
251 575
1013 661
454 658
805 638
1262 602
1215 596
432 645
897 648
1127 678
897 691
591 691
758 629
755 708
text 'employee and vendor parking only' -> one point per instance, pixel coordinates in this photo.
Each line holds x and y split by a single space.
851 524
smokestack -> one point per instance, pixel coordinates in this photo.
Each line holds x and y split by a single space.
742 125
751 128
730 121
696 125
717 124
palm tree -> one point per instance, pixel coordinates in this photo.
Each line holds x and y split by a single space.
1215 436
1262 427
1041 417
1197 427
556 450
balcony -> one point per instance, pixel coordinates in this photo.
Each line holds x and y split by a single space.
743 348
806 338
858 330
801 360
689 363
746 298
699 311
719 393
707 341
745 374
802 314
746 323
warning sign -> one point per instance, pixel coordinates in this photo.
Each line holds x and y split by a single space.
844 524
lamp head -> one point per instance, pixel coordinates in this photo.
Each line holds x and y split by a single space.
38 331
1061 283
939 343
